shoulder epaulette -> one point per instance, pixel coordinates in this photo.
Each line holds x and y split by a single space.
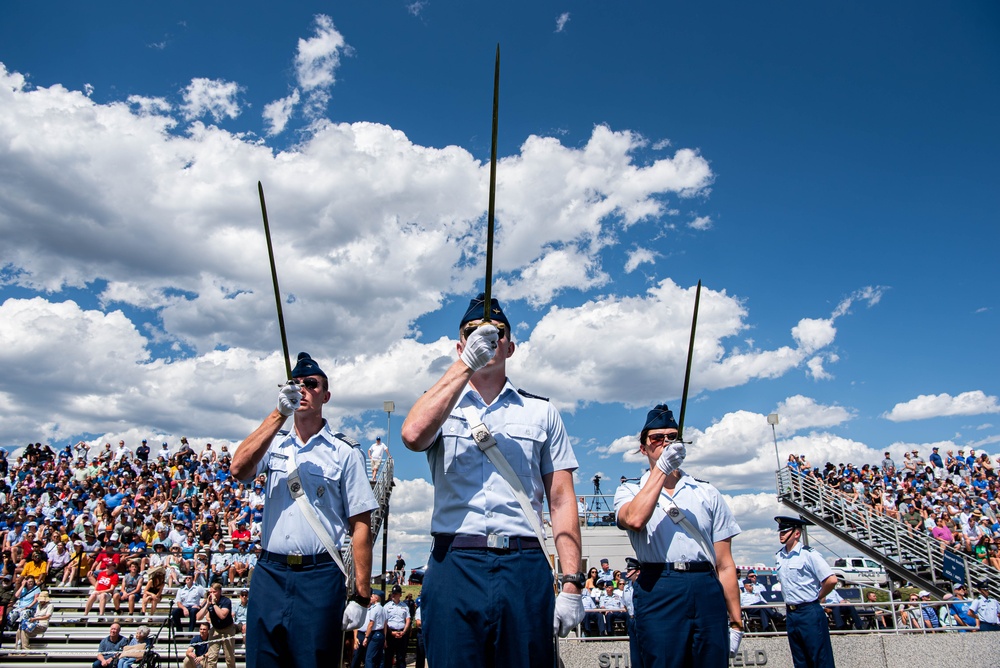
283 432
347 439
531 396
806 547
704 482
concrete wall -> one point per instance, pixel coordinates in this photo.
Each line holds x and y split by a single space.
961 650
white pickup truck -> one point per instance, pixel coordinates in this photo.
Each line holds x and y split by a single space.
858 570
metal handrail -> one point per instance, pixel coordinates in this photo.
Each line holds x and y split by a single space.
892 540
382 489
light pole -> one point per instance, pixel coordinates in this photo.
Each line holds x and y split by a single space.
388 407
772 420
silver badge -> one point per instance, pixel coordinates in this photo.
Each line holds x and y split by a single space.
296 487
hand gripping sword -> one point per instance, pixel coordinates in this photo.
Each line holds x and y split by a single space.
288 362
687 372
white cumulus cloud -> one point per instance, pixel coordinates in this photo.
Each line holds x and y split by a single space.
638 256
215 97
277 113
927 406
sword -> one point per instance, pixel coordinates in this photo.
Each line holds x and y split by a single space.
274 280
687 372
493 190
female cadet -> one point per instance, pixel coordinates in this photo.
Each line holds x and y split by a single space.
687 583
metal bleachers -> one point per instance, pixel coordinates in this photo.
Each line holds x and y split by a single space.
908 555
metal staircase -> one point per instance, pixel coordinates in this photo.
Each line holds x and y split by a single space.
382 488
913 556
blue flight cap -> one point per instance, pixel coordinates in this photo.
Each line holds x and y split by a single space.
661 417
306 366
475 311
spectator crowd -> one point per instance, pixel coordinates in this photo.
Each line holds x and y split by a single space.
128 524
953 497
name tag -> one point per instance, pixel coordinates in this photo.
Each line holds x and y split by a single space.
277 462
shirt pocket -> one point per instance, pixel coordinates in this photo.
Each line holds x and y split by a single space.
460 452
521 444
320 484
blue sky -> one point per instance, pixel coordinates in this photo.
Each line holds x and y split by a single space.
825 171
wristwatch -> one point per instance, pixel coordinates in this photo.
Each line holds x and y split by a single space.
363 601
578 579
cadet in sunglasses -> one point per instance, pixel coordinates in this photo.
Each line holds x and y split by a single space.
295 563
686 599
486 566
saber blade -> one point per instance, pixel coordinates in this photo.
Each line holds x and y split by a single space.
687 372
274 280
493 190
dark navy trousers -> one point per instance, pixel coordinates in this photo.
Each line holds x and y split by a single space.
487 608
294 615
809 636
376 650
681 619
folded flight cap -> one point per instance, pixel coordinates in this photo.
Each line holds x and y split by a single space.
475 311
306 366
660 417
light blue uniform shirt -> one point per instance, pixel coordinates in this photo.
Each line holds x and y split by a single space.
661 540
470 496
335 480
986 609
396 615
801 573
376 615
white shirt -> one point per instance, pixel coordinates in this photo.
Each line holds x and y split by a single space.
377 451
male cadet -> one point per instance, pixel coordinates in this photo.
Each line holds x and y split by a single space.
986 609
397 628
805 579
487 596
298 603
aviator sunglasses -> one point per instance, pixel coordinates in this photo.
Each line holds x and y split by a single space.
310 383
473 326
656 439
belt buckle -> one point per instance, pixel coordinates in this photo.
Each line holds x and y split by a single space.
293 559
497 542
681 566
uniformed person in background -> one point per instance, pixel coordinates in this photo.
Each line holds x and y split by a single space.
397 629
298 604
805 579
986 609
683 596
488 591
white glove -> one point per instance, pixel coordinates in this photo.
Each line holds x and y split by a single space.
569 613
289 398
480 347
354 616
672 457
735 638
